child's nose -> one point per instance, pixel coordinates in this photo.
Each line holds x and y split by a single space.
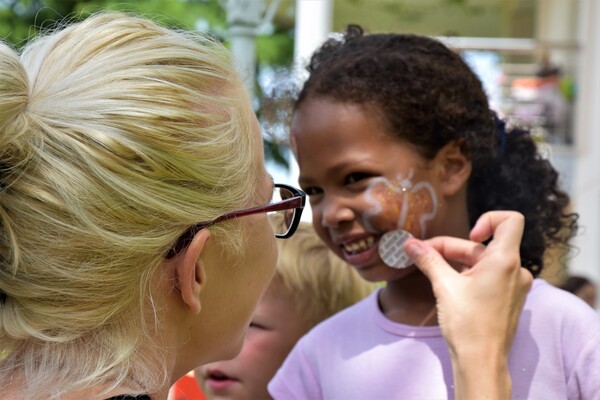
335 211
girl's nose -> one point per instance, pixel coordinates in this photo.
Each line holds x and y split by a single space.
335 212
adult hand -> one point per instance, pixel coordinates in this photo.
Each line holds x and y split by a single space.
479 306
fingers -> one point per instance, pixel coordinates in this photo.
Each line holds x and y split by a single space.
460 250
428 260
505 226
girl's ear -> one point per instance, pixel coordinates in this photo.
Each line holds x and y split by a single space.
455 168
190 274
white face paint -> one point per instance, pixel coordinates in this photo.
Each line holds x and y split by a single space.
400 209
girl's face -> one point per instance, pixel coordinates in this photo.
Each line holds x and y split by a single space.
362 183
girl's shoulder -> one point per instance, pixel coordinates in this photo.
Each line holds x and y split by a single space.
346 320
553 305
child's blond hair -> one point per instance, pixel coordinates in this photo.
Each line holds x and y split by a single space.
319 282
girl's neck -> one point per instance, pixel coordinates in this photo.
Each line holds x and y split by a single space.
409 301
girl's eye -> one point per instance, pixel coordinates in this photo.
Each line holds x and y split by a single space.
356 177
311 191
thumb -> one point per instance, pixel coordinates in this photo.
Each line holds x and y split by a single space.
428 260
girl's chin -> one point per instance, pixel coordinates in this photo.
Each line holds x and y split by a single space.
382 273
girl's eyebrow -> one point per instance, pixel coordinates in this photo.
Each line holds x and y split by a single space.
304 181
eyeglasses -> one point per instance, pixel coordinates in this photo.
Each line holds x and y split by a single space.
287 203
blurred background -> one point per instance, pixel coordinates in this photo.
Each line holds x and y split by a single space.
539 61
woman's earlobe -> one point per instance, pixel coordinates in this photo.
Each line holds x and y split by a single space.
190 272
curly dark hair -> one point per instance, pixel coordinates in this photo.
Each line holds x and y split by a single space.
426 94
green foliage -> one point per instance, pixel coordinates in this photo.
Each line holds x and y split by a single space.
175 14
276 49
21 20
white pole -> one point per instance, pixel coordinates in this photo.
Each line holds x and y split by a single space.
243 18
314 21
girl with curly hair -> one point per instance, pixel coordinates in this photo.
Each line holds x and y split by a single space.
395 138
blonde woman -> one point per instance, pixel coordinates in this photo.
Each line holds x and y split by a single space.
134 241
117 137
310 284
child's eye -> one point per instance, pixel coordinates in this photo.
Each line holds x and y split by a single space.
356 177
257 326
311 191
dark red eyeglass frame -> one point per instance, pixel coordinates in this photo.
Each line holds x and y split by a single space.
297 201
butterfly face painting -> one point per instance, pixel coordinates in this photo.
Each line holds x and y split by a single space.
400 204
400 209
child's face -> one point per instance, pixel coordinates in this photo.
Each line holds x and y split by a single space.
276 326
362 183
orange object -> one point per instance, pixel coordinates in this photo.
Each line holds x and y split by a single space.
186 388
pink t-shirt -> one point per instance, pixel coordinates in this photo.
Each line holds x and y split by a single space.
360 354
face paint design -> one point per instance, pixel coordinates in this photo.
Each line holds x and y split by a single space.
400 204
401 210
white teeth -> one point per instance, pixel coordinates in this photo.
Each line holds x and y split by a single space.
360 245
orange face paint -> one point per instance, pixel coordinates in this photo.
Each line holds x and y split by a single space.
400 204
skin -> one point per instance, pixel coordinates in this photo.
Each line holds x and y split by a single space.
338 183
276 326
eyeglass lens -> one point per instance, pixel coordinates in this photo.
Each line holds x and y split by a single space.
284 218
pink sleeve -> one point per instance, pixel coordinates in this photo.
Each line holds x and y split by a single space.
296 379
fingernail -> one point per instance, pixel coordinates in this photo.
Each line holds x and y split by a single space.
413 248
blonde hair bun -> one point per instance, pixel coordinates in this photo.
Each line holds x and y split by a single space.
14 96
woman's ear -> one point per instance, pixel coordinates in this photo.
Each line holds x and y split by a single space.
455 168
190 274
